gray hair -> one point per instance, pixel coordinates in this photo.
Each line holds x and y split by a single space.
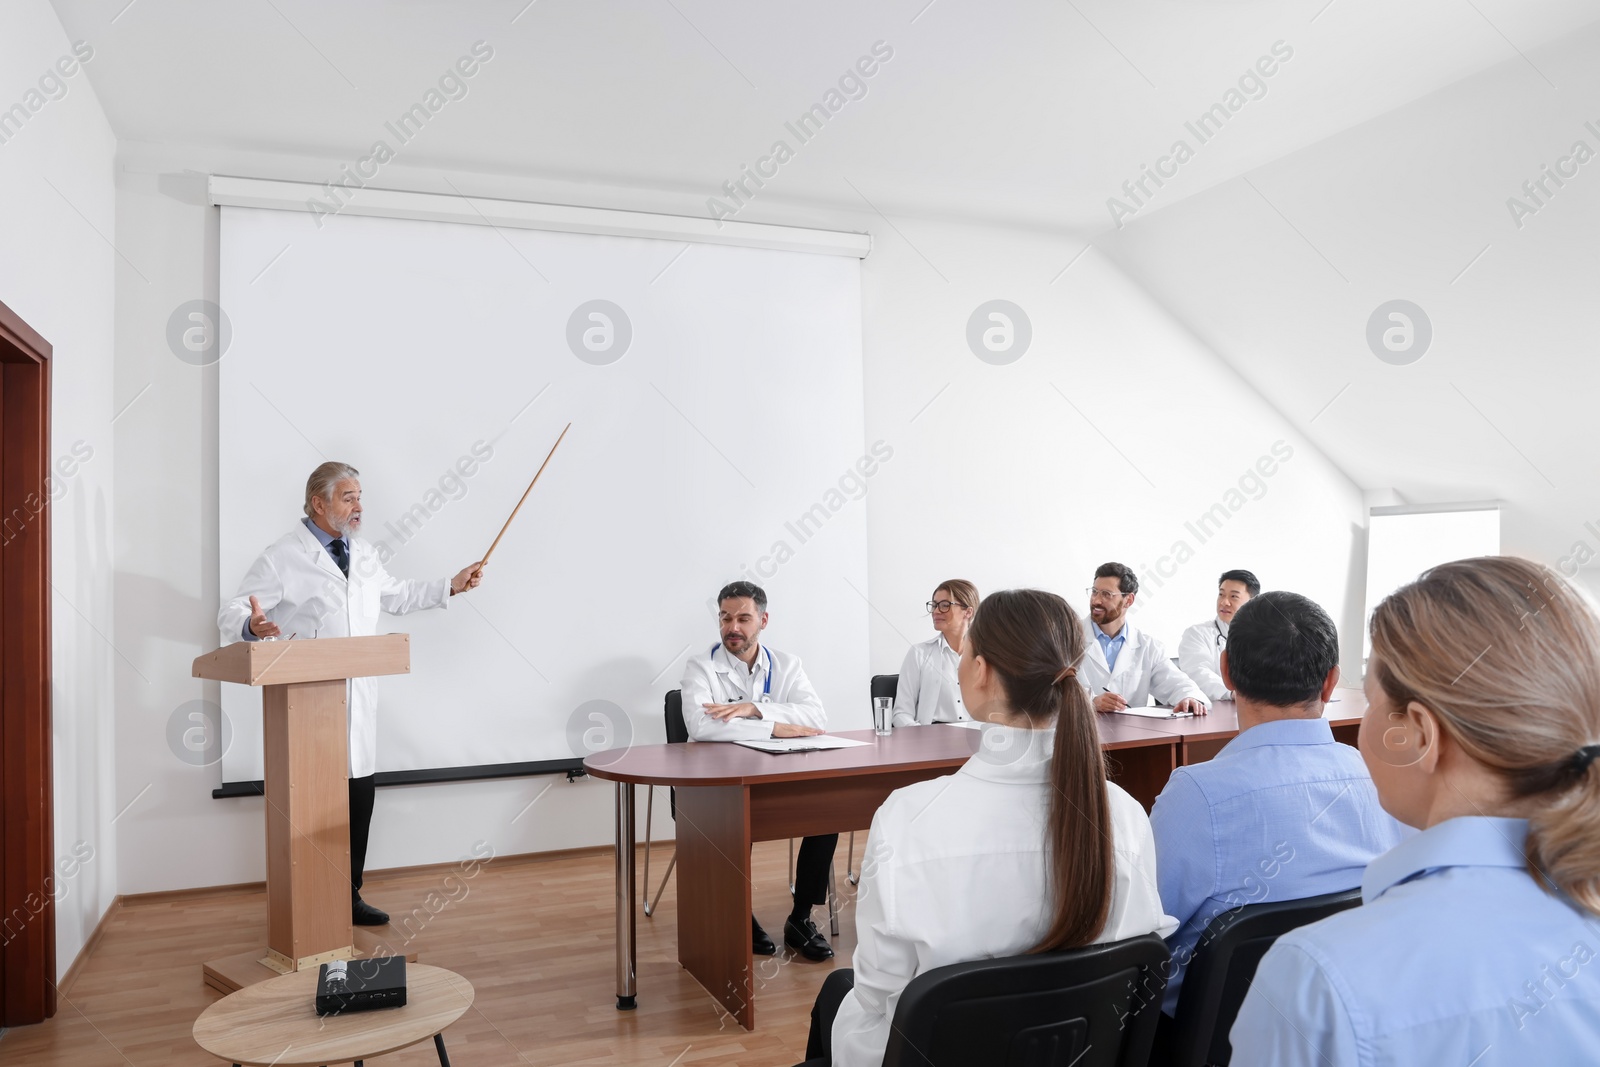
323 479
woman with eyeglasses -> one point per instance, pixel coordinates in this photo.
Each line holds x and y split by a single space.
928 689
1476 939
1027 848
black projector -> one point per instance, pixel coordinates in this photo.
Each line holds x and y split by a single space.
361 985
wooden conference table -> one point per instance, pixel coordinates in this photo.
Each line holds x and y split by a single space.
729 797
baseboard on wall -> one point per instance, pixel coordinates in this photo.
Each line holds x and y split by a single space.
169 895
527 857
64 986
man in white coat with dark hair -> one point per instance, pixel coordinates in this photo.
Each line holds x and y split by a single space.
319 580
741 690
1123 667
1201 646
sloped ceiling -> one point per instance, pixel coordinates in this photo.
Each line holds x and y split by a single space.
1373 164
1280 269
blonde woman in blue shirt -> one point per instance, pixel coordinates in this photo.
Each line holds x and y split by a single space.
1477 937
928 690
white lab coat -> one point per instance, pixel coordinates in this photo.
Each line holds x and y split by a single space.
1200 657
1143 670
300 588
718 677
929 689
971 880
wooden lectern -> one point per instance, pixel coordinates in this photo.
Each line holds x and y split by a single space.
306 752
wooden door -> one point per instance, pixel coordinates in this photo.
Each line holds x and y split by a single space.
27 905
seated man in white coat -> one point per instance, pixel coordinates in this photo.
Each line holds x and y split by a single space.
742 690
1123 666
318 580
1201 646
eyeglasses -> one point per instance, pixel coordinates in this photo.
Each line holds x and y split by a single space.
941 605
1101 594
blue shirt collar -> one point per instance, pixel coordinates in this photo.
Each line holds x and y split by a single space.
324 538
1466 841
1283 732
1105 641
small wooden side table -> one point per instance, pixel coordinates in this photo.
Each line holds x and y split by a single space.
275 1024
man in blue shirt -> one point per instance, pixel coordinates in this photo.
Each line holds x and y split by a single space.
1283 811
1122 666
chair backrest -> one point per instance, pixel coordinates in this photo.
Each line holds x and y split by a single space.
677 734
885 685
677 731
1087 1007
1225 961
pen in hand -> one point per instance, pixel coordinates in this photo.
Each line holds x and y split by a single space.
1122 704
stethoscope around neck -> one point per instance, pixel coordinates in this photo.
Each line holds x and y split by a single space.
766 688
1222 638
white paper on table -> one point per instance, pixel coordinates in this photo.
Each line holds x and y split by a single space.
1156 713
779 745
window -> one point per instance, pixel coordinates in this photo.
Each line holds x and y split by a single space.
1404 541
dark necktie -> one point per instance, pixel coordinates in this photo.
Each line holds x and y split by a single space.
340 555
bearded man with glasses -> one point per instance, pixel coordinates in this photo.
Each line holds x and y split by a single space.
1123 666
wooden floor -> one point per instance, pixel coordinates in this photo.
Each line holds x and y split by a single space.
534 936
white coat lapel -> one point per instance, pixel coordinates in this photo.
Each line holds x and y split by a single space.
1093 654
319 555
734 679
1129 656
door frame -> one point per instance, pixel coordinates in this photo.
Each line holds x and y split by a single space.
27 815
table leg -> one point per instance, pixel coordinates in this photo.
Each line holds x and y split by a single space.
627 923
714 895
1193 752
438 1043
1142 770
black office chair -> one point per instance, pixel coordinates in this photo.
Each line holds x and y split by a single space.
1087 1007
883 685
1225 961
677 734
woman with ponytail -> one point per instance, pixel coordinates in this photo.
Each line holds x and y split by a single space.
1477 937
1027 848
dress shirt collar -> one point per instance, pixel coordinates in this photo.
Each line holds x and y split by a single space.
1010 754
1105 638
1282 732
943 647
1466 841
727 661
324 538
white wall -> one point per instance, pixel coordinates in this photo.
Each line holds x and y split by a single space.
998 480
1114 431
57 272
1413 205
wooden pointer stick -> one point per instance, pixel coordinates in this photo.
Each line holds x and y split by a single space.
525 493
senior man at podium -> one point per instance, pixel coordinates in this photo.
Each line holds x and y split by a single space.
320 580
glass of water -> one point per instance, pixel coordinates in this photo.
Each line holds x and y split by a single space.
882 715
